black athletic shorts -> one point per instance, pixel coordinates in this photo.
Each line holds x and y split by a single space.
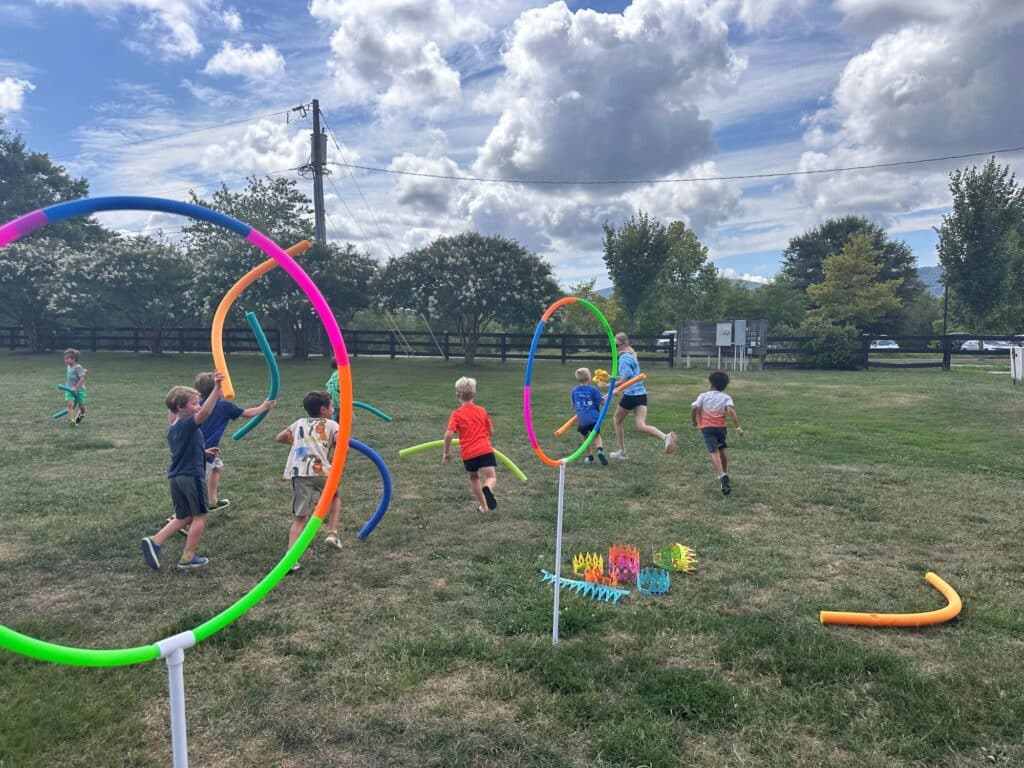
587 429
477 462
629 402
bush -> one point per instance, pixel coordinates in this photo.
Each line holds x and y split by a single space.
831 347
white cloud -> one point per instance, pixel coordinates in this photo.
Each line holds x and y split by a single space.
245 61
232 20
12 93
748 276
265 146
590 96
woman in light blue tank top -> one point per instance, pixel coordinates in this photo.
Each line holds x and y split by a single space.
634 399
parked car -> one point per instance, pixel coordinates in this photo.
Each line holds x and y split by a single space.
884 344
971 345
665 341
987 345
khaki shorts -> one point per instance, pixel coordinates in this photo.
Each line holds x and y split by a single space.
305 492
212 465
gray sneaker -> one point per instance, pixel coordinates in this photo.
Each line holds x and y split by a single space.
621 455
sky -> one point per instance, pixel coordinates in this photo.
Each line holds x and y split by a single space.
730 115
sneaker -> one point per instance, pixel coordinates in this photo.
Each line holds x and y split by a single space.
670 442
195 562
72 422
492 503
621 455
479 509
332 540
220 504
588 459
79 417
294 568
151 553
602 459
726 488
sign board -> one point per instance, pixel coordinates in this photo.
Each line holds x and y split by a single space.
723 335
739 333
1017 363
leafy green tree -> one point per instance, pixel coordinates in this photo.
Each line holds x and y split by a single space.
778 302
27 277
469 281
920 317
851 293
804 258
980 239
30 180
136 280
634 255
577 319
685 278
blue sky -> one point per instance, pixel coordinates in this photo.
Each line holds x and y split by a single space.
162 96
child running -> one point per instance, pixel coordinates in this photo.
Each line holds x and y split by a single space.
312 440
473 426
634 399
186 475
708 413
586 400
75 375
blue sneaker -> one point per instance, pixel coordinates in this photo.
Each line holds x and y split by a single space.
195 562
602 459
151 553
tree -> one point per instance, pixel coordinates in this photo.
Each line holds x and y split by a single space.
851 293
685 278
634 256
980 239
30 180
778 302
804 257
469 281
138 280
577 319
27 272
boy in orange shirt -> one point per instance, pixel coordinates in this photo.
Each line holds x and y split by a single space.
473 426
708 413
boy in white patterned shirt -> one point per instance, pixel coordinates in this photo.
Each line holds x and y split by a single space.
708 413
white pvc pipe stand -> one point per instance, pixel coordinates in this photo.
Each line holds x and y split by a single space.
558 550
173 651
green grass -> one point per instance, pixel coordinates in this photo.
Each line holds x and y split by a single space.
429 644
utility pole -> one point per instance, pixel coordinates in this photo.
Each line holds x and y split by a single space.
317 168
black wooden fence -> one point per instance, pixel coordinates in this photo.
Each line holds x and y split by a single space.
909 351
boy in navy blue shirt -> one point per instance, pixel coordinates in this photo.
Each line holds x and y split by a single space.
186 475
586 399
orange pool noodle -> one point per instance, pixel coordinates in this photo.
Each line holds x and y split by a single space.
951 611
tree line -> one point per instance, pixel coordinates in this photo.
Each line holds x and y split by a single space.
841 279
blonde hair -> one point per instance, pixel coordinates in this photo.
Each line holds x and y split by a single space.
178 397
621 339
582 375
465 388
72 353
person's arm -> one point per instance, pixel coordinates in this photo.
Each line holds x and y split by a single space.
211 401
731 411
267 405
285 436
694 414
447 455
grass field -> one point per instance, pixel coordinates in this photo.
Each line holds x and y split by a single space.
429 644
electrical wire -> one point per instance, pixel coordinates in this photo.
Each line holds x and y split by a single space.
738 177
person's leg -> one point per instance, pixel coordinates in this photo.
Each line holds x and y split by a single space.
298 524
489 478
170 528
212 481
478 492
620 430
725 461
641 425
716 462
195 535
333 515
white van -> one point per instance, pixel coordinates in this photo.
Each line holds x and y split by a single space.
667 337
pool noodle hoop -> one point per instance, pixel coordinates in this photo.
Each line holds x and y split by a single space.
438 443
272 369
371 409
385 477
528 416
217 328
938 616
618 391
74 396
562 463
174 645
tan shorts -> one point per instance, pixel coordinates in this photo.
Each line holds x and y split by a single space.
212 465
305 492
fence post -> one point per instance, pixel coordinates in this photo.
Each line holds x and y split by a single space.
947 349
671 351
355 343
564 350
12 338
447 345
865 343
277 340
391 339
181 341
504 349
92 338
135 339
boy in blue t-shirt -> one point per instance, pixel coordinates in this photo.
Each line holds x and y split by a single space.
586 399
186 475
213 429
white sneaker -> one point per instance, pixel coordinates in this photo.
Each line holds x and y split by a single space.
670 442
621 455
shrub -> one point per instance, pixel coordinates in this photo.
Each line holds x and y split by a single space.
832 347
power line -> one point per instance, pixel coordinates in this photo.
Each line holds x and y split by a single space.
171 135
741 177
384 238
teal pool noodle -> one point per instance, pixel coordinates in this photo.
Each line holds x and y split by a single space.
275 374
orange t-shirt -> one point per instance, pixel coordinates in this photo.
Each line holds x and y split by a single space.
473 426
